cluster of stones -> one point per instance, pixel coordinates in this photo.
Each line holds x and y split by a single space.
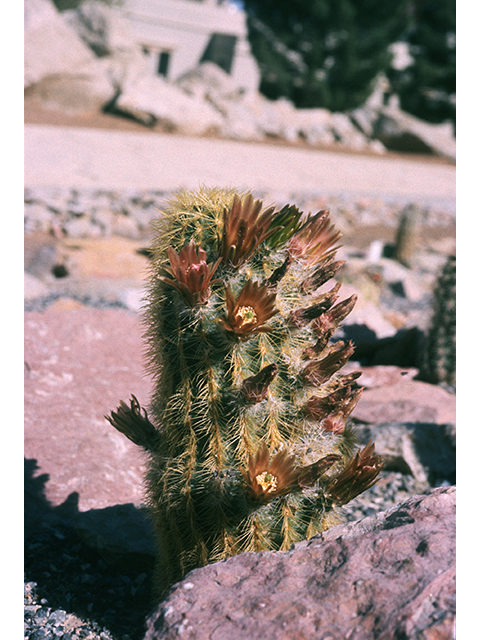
93 213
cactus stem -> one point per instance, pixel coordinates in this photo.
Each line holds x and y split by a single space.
250 445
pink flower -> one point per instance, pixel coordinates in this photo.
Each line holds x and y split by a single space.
190 273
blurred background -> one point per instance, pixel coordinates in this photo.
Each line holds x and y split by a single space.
366 75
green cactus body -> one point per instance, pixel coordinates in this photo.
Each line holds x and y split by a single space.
249 446
439 354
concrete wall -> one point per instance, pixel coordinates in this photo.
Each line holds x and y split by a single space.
183 29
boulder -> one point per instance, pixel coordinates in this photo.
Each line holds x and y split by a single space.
391 575
322 127
406 401
101 27
398 130
62 71
314 126
33 287
84 90
402 131
79 364
381 375
252 117
246 115
105 30
41 253
153 100
347 133
208 81
367 323
51 46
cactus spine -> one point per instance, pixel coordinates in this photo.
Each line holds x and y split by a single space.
439 355
249 444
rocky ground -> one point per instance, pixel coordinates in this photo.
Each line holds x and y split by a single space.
88 547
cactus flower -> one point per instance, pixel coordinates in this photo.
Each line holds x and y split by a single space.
190 273
245 227
254 306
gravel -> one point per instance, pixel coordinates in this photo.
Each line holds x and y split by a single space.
42 303
70 592
101 213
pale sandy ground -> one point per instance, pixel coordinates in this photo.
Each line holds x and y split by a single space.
84 157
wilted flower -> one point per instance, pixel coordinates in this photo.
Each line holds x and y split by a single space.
315 240
332 318
245 226
334 409
307 476
319 371
279 272
359 475
255 387
193 276
267 480
301 317
247 314
322 273
130 421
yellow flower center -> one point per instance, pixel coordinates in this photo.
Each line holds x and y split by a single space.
247 315
267 482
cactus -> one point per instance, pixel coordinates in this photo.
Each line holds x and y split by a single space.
439 353
408 234
247 434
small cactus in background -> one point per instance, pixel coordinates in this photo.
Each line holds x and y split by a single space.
408 235
439 353
247 435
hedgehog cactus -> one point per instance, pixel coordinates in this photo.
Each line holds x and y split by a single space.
247 435
439 353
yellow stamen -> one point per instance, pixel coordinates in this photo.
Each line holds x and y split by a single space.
267 482
247 315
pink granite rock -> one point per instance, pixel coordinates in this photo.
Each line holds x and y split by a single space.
79 364
381 375
389 576
406 401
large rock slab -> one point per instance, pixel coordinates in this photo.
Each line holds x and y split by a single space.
82 91
397 129
387 576
406 401
51 46
401 131
79 363
61 70
153 100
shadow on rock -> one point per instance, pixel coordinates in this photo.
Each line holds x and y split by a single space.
96 565
401 349
425 450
